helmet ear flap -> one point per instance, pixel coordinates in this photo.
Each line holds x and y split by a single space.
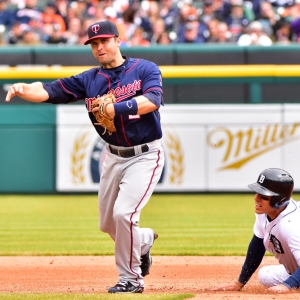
278 201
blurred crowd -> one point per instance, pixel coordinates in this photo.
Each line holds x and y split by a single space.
149 22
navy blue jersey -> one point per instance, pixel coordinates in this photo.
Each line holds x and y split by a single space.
133 78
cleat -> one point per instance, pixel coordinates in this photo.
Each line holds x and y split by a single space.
146 261
125 287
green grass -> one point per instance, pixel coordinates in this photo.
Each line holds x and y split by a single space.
197 224
37 296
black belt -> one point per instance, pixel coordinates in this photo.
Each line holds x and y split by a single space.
127 152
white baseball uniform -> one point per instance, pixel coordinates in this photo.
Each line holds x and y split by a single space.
281 237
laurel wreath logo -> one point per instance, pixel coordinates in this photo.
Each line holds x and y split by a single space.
77 159
176 157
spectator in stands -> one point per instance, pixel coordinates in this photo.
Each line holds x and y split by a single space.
293 16
169 13
98 15
73 32
38 28
14 35
237 19
83 35
279 5
187 12
223 35
56 35
207 13
213 30
29 38
188 21
282 32
71 13
164 39
254 6
158 27
50 16
7 16
129 21
138 39
153 12
2 40
150 15
268 17
62 8
222 9
30 11
255 36
82 9
110 14
191 33
107 3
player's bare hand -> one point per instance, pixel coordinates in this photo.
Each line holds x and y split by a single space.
280 288
109 110
14 90
95 109
237 286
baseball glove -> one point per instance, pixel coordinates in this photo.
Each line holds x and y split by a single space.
101 116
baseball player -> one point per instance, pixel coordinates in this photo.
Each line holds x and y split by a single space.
135 157
276 229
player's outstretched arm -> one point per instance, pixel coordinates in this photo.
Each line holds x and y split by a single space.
33 92
237 286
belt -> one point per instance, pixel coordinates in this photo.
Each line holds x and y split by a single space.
130 152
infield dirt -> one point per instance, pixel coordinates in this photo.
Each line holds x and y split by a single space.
94 274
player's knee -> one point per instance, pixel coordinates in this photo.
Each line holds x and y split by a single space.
120 217
104 227
265 276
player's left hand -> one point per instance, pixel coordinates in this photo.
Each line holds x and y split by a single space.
236 286
280 288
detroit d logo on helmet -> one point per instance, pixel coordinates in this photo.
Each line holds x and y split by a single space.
262 178
95 28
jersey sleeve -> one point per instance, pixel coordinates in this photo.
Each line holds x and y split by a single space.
255 254
67 90
293 281
155 97
151 79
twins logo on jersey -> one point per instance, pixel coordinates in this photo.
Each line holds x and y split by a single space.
126 91
276 244
123 92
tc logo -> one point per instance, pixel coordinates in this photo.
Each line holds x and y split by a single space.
262 178
95 28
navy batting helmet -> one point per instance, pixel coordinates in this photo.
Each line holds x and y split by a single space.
276 183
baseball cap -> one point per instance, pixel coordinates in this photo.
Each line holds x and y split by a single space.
105 29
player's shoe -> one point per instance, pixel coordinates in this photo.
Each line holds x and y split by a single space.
146 260
123 287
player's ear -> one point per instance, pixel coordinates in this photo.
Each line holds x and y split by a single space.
118 40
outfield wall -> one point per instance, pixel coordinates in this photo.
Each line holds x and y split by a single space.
201 79
206 90
209 148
